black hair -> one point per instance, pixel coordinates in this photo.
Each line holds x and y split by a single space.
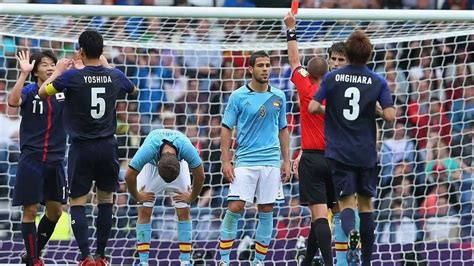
337 47
37 58
91 43
256 55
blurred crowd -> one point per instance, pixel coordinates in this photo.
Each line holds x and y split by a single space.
425 156
398 4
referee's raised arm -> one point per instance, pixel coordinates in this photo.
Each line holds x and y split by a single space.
293 55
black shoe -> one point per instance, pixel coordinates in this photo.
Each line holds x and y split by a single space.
317 261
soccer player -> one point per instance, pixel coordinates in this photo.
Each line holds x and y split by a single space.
40 176
258 113
316 186
90 121
162 164
351 95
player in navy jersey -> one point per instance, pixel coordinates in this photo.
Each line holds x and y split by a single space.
40 176
351 95
90 121
258 113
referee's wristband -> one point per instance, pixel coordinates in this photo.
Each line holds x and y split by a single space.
290 35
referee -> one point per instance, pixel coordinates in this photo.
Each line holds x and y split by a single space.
316 186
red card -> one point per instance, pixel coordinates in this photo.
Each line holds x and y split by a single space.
294 6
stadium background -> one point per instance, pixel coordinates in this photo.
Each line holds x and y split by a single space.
426 156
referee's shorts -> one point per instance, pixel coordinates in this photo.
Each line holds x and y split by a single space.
316 184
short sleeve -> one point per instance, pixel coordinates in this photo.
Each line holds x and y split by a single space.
145 154
25 91
123 82
190 155
282 123
61 83
385 97
231 112
300 77
320 95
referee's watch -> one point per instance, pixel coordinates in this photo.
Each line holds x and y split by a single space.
290 35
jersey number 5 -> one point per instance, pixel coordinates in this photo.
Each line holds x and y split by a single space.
353 94
97 103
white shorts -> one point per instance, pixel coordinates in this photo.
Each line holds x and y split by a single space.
262 183
151 179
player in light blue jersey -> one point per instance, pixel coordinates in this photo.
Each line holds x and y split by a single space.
162 164
258 113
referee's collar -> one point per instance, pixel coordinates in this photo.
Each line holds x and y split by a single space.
269 89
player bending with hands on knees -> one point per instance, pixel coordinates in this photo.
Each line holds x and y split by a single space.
91 92
351 94
258 112
40 177
162 164
316 186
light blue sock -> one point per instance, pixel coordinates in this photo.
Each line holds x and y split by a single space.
263 235
184 239
228 234
356 211
143 241
341 241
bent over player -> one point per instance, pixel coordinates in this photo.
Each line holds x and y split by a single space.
258 113
162 164
90 121
40 176
351 95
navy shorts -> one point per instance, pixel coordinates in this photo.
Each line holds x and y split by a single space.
349 180
316 185
93 160
37 182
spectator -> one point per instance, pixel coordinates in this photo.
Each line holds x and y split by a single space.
394 150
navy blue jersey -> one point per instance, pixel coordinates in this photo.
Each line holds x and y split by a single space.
42 133
91 94
351 94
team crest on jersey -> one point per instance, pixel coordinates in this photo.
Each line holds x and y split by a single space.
303 72
60 96
262 111
37 97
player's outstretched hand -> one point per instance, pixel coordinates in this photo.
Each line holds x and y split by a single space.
23 58
285 171
63 65
143 196
290 20
228 171
184 196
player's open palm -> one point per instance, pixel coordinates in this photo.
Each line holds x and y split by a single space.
285 171
145 196
228 171
23 58
63 65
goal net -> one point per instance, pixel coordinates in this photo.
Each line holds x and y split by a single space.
187 65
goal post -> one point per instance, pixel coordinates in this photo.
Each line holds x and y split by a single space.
187 60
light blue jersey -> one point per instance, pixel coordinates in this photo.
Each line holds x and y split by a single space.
258 117
149 152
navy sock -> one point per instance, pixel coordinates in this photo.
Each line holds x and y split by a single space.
323 235
367 236
45 230
348 220
104 225
80 229
28 231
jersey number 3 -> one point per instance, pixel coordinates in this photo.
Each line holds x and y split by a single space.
353 94
97 103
